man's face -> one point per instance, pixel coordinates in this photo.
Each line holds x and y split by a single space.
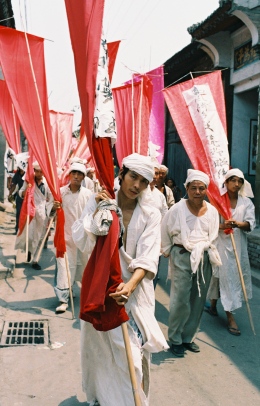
76 178
234 184
197 191
38 174
162 175
133 184
155 177
91 174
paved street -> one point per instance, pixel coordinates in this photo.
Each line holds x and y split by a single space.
225 372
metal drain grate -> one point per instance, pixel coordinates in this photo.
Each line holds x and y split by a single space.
33 332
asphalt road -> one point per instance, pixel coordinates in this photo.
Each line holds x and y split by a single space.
225 372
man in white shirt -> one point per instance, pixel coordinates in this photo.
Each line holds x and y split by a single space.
189 232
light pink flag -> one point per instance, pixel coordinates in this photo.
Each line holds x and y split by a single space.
61 129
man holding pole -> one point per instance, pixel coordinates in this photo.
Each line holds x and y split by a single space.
105 372
74 199
43 201
227 280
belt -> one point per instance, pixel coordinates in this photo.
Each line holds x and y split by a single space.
183 249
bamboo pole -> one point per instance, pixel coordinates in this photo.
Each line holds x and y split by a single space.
242 282
133 117
140 117
27 237
130 364
69 283
44 238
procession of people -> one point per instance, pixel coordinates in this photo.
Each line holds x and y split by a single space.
189 232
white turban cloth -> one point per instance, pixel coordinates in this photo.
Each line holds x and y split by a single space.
90 170
36 166
22 160
246 190
193 175
140 164
78 166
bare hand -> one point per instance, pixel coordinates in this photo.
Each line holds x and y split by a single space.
121 294
103 195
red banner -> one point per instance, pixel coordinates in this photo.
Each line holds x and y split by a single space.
22 62
133 103
196 149
9 119
112 49
85 24
61 128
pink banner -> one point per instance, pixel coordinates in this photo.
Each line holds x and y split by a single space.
61 128
196 149
133 104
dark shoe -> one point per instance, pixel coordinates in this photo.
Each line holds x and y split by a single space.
29 256
36 266
234 331
178 350
191 347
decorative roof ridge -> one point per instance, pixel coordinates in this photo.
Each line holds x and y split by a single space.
225 5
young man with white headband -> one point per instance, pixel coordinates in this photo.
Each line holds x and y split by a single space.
242 222
74 199
139 253
189 233
43 201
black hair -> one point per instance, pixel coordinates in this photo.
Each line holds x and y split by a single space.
232 177
122 173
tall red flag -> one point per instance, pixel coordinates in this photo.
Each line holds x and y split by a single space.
102 274
197 108
22 62
112 49
8 119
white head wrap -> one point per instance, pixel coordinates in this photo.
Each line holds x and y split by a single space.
77 166
140 164
36 166
22 160
90 169
246 190
193 174
164 168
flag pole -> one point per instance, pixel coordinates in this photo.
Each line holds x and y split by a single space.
130 364
27 237
69 283
242 282
44 238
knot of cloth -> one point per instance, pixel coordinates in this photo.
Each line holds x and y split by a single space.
103 218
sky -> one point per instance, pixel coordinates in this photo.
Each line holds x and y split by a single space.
151 31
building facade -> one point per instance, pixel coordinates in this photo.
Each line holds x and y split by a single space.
229 39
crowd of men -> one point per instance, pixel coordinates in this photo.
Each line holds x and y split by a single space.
189 231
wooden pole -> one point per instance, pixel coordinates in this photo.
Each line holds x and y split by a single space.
130 364
242 282
44 238
69 283
27 236
133 116
140 117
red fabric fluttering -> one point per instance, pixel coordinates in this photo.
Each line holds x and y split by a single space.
96 307
9 119
112 49
22 62
190 138
61 128
28 206
133 103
